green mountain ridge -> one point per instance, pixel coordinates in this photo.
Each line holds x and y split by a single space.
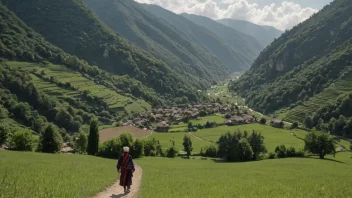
79 31
302 63
149 32
243 44
234 59
264 34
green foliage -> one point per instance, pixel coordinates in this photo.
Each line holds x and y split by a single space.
262 120
291 152
302 62
183 54
294 125
320 144
235 40
256 141
81 143
235 147
93 138
152 147
23 141
137 148
51 140
209 151
4 133
190 125
4 113
98 44
187 144
281 151
172 151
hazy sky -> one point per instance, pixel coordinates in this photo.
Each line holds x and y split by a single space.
282 14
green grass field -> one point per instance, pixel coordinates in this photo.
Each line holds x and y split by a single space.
329 94
290 177
114 100
203 121
273 136
45 175
164 139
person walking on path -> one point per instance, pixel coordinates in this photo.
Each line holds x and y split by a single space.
125 167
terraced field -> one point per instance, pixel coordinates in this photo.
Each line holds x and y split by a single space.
329 94
81 84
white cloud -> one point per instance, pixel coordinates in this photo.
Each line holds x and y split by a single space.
282 16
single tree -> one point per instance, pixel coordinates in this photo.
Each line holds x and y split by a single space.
51 140
4 133
256 140
187 144
172 151
190 125
81 143
320 144
93 138
308 122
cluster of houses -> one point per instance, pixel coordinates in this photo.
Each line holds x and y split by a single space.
164 117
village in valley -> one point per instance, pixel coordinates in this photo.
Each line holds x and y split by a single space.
161 119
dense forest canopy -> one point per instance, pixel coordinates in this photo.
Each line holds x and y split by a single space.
80 32
302 62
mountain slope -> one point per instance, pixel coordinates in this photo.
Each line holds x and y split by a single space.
264 34
68 94
241 43
149 32
235 60
302 62
78 31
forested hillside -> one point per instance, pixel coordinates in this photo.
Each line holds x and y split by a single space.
78 31
305 70
264 34
156 36
234 59
245 45
302 62
35 92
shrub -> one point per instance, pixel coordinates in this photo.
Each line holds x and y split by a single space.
137 148
81 143
51 140
300 153
294 125
190 125
152 147
202 113
110 149
23 141
227 116
210 124
3 112
209 151
4 133
262 121
291 152
272 155
281 151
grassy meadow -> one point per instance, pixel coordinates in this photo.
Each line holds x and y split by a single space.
273 136
290 177
164 139
40 175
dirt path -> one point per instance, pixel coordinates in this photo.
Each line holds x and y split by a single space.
199 137
116 191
